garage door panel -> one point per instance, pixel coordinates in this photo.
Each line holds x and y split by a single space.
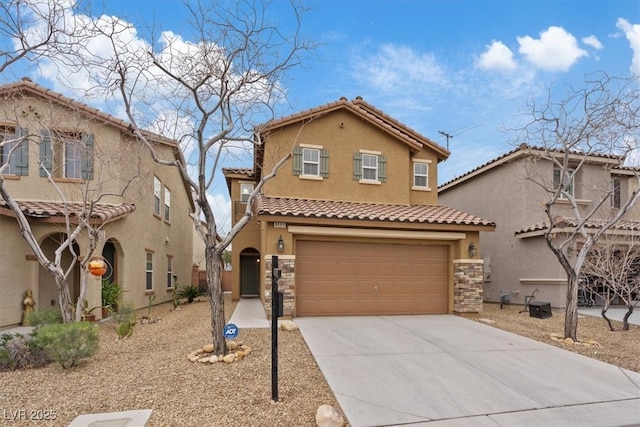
346 278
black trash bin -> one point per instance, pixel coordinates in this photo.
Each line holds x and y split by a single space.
540 309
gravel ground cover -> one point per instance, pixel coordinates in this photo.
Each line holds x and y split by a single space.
150 370
620 348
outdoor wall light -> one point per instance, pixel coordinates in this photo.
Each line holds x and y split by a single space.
280 244
472 250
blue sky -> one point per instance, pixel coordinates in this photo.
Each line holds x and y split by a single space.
465 67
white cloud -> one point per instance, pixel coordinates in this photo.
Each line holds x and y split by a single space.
393 66
221 207
632 32
555 50
497 57
593 42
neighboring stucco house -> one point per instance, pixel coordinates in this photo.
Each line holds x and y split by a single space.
354 219
517 260
147 233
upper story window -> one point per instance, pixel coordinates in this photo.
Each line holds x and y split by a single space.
157 193
568 181
421 175
369 167
615 193
66 154
167 204
311 161
14 150
245 192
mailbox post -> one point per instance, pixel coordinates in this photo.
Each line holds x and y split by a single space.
276 273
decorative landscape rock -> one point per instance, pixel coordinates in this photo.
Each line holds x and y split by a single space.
237 351
328 416
288 325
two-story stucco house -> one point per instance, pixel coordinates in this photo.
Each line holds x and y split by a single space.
354 219
143 209
517 260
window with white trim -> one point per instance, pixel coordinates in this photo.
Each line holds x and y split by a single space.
149 271
245 192
157 193
370 167
66 154
17 157
169 271
568 181
167 204
310 162
421 175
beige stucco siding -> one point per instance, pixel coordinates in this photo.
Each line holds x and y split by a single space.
343 134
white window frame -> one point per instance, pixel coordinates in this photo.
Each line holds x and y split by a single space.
167 204
157 195
561 177
245 191
6 133
72 157
310 162
376 158
426 164
148 270
169 271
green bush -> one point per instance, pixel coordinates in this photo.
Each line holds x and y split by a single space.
69 342
126 318
190 292
48 316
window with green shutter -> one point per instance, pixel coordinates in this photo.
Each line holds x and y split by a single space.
66 154
14 151
369 167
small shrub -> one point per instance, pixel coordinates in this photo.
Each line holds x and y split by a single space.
49 316
69 342
21 352
190 292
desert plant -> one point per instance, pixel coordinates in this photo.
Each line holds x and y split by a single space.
68 343
151 298
48 316
110 294
126 318
190 292
21 352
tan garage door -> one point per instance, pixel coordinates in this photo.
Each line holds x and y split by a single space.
341 278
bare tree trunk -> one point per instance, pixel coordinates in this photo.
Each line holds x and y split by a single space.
571 312
625 319
216 296
64 298
604 312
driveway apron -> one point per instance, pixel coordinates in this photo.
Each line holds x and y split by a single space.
444 370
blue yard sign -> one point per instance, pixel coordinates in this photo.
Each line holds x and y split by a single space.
230 331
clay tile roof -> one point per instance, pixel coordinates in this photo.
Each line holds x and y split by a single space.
238 171
101 212
425 214
623 225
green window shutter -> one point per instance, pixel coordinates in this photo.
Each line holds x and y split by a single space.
382 168
46 155
21 156
357 166
324 163
297 161
87 156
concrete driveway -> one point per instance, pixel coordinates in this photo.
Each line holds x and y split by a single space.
443 370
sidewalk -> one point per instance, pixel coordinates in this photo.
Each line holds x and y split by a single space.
613 313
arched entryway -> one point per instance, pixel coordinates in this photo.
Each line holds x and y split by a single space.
110 255
249 273
47 289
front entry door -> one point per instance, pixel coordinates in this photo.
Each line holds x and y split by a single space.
249 275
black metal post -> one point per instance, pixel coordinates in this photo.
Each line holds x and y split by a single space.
274 327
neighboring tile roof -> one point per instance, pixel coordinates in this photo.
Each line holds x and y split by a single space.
102 212
26 85
424 214
522 151
238 171
622 225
